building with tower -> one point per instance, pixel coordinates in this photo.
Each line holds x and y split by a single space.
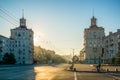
99 48
93 42
23 43
20 43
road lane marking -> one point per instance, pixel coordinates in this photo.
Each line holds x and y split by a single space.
75 76
118 78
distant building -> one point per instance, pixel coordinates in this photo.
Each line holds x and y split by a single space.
4 46
98 47
111 46
20 44
93 42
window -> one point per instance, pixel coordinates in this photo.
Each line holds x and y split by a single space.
106 41
23 33
23 62
16 33
0 49
19 42
23 49
30 35
94 49
94 34
23 45
90 43
111 40
118 36
23 53
0 41
94 45
111 44
19 51
19 35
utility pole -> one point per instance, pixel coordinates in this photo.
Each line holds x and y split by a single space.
72 66
73 55
73 52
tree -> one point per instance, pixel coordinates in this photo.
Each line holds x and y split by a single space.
58 59
9 58
42 56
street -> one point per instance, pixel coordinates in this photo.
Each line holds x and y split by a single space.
18 72
52 72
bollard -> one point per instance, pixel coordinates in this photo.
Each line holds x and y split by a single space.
74 69
116 69
107 70
71 67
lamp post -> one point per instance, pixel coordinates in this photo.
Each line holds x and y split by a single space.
73 58
72 66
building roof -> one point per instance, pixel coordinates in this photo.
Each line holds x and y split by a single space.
3 36
112 34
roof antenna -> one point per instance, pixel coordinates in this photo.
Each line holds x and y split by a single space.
22 13
93 12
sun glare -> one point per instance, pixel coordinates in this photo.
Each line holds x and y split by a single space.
39 39
36 39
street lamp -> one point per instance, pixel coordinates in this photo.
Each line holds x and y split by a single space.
72 66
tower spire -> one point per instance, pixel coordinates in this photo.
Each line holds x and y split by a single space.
23 20
22 13
93 12
93 20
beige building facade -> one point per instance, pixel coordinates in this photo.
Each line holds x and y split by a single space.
111 47
82 55
93 42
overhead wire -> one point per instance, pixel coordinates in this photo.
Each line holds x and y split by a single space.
8 20
13 18
4 15
8 12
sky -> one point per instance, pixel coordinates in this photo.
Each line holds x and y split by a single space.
59 24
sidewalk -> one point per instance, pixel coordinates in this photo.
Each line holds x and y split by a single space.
92 68
111 68
84 68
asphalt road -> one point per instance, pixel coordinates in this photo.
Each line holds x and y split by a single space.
51 72
18 72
